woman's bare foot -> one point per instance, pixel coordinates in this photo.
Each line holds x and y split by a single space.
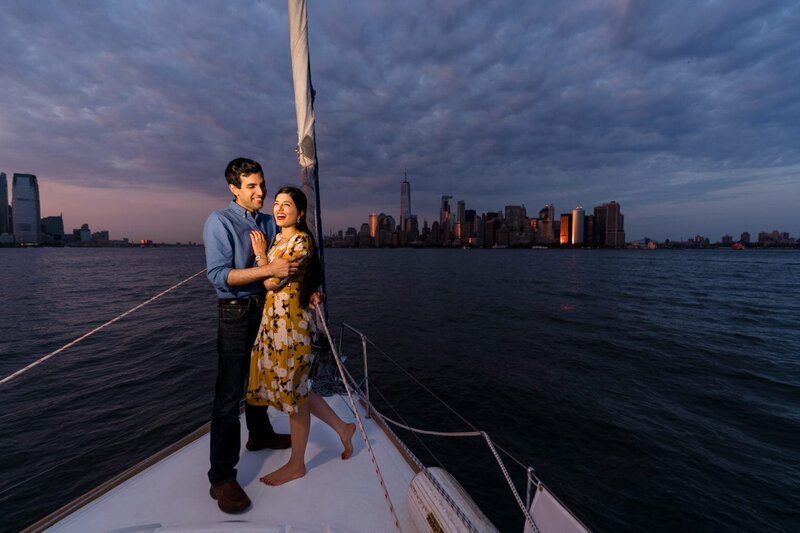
284 474
347 440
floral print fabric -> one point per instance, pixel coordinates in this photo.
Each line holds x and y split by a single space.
282 355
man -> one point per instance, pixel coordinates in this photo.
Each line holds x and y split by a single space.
239 284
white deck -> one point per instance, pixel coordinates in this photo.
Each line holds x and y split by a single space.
334 495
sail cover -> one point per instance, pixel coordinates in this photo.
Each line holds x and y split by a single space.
304 109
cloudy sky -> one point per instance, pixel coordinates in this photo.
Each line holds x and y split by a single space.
686 112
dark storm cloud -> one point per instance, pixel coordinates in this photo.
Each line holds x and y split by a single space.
117 92
662 106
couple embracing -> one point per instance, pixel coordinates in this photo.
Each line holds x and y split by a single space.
266 273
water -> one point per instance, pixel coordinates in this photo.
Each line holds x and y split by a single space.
651 390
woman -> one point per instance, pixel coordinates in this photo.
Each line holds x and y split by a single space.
282 355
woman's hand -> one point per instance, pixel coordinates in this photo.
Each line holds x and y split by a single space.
316 299
259 242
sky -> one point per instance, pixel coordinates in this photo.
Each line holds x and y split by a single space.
686 112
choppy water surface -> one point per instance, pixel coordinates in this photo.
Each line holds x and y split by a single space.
651 390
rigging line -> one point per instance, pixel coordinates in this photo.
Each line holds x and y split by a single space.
83 453
437 433
422 385
491 448
522 506
321 321
417 437
95 330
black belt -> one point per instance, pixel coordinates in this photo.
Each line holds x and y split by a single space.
250 300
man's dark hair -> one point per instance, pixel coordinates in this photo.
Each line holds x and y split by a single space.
241 167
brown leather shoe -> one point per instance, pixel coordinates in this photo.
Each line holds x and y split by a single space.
276 441
230 497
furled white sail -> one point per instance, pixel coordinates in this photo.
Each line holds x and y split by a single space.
304 109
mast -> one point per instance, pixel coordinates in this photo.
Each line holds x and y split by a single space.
304 109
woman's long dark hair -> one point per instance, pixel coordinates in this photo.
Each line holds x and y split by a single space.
312 270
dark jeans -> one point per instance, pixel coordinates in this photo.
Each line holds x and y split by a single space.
238 327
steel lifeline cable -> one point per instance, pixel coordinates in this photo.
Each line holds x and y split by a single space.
95 330
476 433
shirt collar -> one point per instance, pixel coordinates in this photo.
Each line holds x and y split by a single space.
241 211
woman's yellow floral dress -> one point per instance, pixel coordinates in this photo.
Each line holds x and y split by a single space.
282 355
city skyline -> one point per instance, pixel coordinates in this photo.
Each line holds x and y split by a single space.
547 215
129 121
52 226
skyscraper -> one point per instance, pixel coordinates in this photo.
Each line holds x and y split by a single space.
25 198
4 225
566 225
460 233
373 225
445 220
405 202
578 225
609 225
515 216
547 220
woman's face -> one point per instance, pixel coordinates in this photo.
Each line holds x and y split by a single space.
285 211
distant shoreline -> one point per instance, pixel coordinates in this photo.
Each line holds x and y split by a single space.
671 246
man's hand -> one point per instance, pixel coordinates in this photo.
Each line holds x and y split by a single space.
282 268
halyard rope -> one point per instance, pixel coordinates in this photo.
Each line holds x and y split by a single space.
95 330
321 321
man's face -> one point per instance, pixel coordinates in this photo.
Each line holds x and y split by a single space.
251 194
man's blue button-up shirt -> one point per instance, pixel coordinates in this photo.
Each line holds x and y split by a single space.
226 235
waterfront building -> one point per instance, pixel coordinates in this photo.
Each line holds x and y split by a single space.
502 237
384 230
745 239
469 229
479 229
405 201
426 231
609 225
588 229
364 239
410 229
727 240
491 225
445 219
578 223
775 238
82 234
25 203
351 237
53 229
435 233
547 221
373 225
5 222
460 233
565 225
515 217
